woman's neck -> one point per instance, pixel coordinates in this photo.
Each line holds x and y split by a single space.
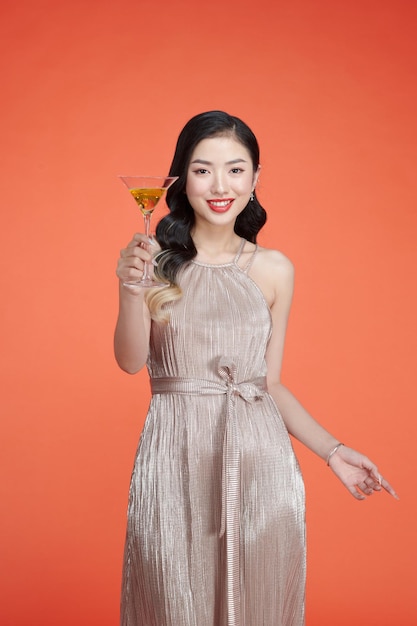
217 246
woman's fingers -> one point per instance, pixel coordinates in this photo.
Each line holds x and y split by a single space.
132 262
369 485
379 482
127 273
355 493
385 484
130 265
136 247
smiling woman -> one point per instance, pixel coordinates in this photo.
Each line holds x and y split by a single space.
215 184
216 528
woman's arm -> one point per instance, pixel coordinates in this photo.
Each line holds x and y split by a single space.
131 337
298 421
355 470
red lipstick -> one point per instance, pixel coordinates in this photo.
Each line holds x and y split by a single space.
221 205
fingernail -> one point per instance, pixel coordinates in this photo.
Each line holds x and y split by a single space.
154 262
151 241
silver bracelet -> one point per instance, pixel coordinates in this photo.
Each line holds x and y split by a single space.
331 453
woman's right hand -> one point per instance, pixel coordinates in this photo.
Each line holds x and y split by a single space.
131 338
132 258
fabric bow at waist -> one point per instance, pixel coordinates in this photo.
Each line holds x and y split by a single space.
249 391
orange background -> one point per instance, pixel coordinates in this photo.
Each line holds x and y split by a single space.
92 89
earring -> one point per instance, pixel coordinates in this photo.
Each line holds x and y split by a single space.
252 197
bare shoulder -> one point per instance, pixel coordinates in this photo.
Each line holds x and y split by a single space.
276 262
274 273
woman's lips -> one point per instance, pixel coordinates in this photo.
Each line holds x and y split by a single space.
220 206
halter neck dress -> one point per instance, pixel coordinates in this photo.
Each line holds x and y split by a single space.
216 518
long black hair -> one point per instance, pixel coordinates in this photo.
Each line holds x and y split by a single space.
173 231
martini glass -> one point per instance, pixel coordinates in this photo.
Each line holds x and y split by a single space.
147 192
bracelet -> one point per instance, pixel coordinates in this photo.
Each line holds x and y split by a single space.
331 453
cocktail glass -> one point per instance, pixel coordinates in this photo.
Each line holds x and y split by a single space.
147 192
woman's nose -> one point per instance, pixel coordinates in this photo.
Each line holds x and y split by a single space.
219 184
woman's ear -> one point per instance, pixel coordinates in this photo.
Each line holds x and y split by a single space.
256 177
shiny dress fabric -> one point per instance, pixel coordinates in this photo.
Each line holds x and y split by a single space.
216 529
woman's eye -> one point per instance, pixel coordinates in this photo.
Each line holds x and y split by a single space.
236 170
201 170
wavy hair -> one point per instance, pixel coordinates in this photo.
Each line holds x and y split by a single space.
173 232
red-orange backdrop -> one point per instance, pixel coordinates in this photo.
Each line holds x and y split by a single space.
91 89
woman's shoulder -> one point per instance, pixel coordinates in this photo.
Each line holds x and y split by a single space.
273 272
275 261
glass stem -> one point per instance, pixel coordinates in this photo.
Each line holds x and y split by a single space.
147 268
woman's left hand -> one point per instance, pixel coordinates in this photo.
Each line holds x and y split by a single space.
359 475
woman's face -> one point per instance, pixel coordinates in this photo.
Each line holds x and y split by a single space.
220 179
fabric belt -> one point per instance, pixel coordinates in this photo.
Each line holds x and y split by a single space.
249 391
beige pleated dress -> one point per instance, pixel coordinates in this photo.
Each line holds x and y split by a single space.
216 528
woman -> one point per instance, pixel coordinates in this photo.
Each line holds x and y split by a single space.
216 508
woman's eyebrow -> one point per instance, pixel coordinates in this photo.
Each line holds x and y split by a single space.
232 162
